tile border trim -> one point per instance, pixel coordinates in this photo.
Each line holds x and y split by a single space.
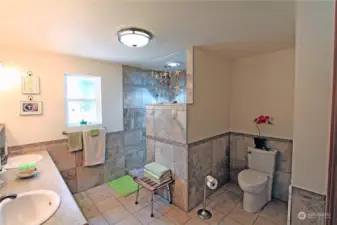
267 137
209 139
166 141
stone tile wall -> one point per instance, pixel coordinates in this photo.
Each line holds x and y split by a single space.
207 157
174 156
190 165
139 89
310 204
70 165
239 144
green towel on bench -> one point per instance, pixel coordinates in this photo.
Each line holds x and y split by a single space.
156 170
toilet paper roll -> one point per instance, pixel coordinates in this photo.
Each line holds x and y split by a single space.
211 182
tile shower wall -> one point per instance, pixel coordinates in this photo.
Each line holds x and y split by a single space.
70 165
166 145
312 204
139 89
174 156
239 161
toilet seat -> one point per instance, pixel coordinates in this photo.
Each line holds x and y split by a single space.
251 178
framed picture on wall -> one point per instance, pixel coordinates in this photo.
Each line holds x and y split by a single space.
30 85
30 108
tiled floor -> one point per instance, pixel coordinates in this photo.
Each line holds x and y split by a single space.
102 206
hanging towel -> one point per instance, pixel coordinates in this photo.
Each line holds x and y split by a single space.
94 133
93 148
75 141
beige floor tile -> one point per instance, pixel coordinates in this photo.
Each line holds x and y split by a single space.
275 212
129 203
262 221
86 205
235 188
130 220
101 188
98 220
163 206
231 197
195 221
100 193
242 216
216 194
115 215
144 215
162 220
177 216
80 196
278 205
223 207
229 221
107 204
216 218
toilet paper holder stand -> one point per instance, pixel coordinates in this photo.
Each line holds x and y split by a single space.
211 183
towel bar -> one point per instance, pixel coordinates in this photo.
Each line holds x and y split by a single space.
66 132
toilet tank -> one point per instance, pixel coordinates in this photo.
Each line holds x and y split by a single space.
262 160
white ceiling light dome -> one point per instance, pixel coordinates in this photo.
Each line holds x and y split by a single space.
173 64
134 37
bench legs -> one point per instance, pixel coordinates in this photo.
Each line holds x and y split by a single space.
136 202
152 193
169 193
152 196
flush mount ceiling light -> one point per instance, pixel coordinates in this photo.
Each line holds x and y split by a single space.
173 64
134 37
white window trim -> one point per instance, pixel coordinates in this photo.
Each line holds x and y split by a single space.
98 100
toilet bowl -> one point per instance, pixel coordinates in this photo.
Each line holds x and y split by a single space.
257 181
254 184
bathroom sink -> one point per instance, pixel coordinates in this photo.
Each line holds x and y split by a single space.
29 208
16 161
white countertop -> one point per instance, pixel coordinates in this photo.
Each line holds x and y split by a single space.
48 178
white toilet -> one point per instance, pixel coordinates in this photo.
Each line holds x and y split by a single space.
257 181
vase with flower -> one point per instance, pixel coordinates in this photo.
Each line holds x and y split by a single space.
259 141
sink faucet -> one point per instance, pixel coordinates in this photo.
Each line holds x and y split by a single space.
11 196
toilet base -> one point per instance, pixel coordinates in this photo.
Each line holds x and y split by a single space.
253 203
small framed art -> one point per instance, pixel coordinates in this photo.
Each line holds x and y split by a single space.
30 108
30 85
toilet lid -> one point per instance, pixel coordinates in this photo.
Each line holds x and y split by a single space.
253 177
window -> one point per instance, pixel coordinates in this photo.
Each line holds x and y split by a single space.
83 100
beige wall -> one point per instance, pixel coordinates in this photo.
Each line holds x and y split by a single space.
51 69
313 86
263 84
209 114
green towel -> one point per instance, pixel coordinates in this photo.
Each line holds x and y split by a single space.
94 133
75 141
156 169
